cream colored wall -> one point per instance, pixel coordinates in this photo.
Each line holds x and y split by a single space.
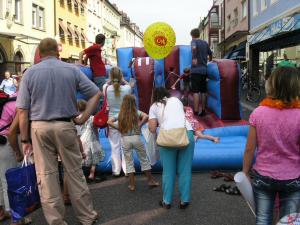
125 41
94 21
111 24
138 41
31 36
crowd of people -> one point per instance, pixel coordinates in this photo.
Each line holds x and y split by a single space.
53 126
9 84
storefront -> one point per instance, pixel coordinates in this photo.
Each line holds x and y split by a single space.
16 52
267 47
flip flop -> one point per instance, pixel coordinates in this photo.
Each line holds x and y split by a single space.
24 221
222 188
131 188
228 177
233 191
5 216
215 174
153 184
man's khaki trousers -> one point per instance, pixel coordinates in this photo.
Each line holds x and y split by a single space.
50 139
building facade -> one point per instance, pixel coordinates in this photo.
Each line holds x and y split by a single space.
209 28
94 20
204 29
111 19
131 36
236 29
274 31
70 27
23 23
138 36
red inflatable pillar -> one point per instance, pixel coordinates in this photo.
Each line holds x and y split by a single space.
172 64
144 70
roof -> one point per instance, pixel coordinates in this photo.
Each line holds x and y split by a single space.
113 7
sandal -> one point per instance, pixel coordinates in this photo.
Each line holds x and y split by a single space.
228 177
153 184
233 191
5 216
131 187
215 174
183 205
222 188
24 221
164 205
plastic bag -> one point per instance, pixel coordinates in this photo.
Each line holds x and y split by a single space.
22 190
151 147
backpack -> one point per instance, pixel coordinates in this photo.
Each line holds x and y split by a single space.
4 98
101 118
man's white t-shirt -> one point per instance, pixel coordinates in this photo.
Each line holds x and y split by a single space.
170 116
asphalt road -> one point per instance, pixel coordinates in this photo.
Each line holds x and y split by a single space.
118 206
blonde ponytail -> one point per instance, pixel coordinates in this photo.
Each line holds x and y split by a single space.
116 77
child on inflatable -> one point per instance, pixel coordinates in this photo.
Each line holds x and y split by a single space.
129 123
93 53
90 143
197 127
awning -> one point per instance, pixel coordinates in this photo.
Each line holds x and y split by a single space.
239 53
278 27
229 52
77 33
71 31
63 27
83 37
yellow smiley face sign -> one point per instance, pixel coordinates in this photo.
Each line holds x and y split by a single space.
159 40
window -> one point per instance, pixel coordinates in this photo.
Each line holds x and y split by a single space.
83 38
76 7
77 34
98 9
263 4
228 22
18 11
214 20
62 30
34 15
69 31
41 18
61 2
236 14
38 17
81 8
244 9
255 11
69 3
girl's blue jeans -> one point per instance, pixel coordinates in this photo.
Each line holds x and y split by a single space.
265 190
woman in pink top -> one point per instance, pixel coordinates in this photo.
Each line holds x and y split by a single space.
275 136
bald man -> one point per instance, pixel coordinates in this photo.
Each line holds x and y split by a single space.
47 97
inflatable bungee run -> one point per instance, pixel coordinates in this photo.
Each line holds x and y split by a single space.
224 111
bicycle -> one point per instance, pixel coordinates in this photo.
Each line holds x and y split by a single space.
253 90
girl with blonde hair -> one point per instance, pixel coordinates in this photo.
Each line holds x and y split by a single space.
115 90
129 123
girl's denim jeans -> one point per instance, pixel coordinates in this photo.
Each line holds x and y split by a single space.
265 190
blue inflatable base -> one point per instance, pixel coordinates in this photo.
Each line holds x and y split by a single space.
226 155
